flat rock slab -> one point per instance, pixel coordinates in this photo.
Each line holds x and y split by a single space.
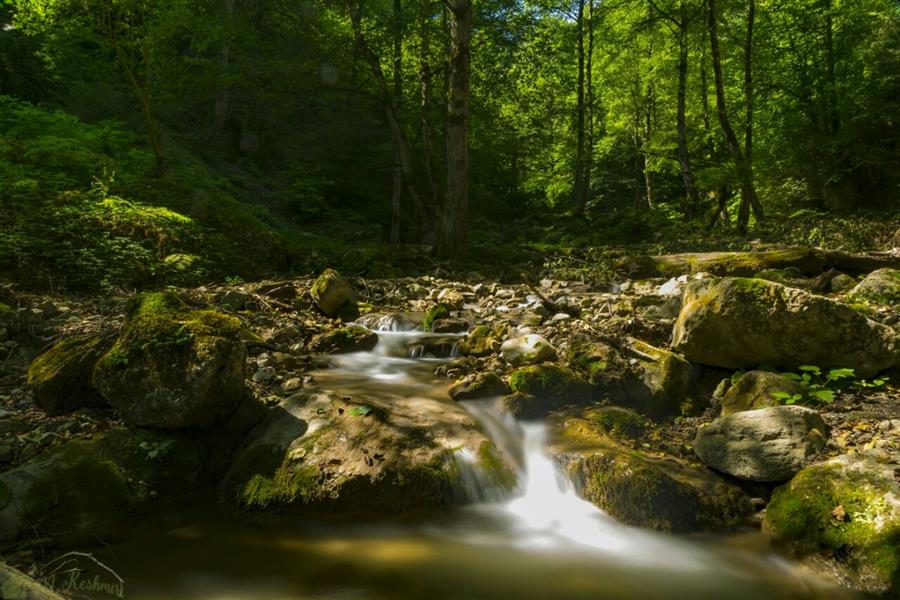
769 444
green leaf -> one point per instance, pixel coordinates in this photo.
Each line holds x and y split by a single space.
793 399
826 396
781 395
841 373
810 369
791 376
360 411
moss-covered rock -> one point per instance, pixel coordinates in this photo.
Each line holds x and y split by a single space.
61 378
741 323
662 493
486 384
344 339
741 264
846 510
173 367
528 349
756 389
323 454
435 313
91 489
546 388
879 287
15 585
334 296
482 340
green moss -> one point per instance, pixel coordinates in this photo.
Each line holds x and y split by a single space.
619 422
435 313
479 341
68 351
801 512
492 463
5 308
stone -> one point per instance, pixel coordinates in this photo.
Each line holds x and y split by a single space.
15 585
479 385
92 489
61 378
879 287
739 323
233 299
768 444
333 295
450 325
324 454
482 340
665 494
862 549
451 298
840 283
545 388
527 350
755 389
343 340
173 367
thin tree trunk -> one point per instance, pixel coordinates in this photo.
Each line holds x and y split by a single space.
684 158
453 236
734 147
427 133
749 93
221 107
589 73
834 116
397 193
580 198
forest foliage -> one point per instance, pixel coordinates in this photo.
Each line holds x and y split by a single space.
263 135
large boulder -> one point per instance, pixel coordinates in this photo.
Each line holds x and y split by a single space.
843 516
757 389
15 585
485 384
324 454
344 339
92 489
740 323
173 367
769 444
879 287
527 349
334 296
662 493
61 378
541 389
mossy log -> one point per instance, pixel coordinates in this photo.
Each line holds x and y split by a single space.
809 261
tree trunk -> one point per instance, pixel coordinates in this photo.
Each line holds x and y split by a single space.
580 198
749 93
744 175
427 133
834 116
589 74
687 175
453 236
221 107
397 193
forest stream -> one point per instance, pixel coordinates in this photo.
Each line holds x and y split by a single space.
540 541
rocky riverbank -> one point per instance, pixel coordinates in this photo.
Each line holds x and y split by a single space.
686 403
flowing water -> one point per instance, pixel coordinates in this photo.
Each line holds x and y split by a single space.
543 543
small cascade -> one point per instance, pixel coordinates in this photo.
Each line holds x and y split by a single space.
475 483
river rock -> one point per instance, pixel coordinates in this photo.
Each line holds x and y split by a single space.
482 340
320 454
527 350
738 323
173 367
479 385
541 389
15 585
344 339
334 296
666 494
90 489
879 287
391 321
768 444
843 515
61 378
755 389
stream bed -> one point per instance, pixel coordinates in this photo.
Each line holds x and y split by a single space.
544 542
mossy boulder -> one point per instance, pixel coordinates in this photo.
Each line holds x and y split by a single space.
845 513
334 296
527 349
93 489
545 388
486 384
742 264
657 492
768 444
756 389
738 323
434 314
324 454
15 585
482 340
879 287
61 378
344 339
172 366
